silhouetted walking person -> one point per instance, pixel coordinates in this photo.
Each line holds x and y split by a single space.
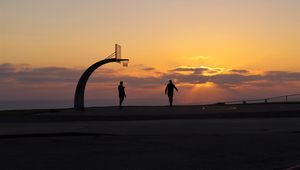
170 90
122 93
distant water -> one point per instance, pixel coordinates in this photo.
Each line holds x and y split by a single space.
51 104
69 103
48 104
17 105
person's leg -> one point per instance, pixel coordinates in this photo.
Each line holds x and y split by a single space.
121 101
171 100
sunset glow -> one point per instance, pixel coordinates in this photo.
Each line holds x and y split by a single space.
214 50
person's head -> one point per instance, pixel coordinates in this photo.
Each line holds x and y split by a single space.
121 82
170 81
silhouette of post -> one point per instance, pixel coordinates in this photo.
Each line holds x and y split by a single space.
79 94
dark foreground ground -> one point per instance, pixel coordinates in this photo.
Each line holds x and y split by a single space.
186 137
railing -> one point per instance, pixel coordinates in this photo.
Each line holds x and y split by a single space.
283 99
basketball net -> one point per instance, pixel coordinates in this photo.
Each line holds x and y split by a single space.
125 63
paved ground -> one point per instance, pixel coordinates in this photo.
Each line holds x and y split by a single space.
272 143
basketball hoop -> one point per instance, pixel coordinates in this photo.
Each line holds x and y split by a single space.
80 88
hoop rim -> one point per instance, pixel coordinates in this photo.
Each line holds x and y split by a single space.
120 60
123 59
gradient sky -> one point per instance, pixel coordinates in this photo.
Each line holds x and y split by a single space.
213 49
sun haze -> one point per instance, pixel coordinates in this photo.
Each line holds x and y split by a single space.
214 50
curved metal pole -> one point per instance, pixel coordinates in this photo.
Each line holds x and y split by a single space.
79 94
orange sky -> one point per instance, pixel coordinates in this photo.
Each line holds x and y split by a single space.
257 36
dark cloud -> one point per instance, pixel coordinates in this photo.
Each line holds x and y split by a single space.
148 69
233 79
49 74
6 68
197 70
282 76
38 75
212 71
26 74
239 71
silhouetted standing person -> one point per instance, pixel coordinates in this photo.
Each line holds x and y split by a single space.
170 91
122 93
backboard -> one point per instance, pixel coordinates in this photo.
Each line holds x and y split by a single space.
118 51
